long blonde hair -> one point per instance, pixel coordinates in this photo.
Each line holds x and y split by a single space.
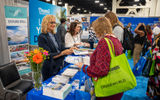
45 22
113 19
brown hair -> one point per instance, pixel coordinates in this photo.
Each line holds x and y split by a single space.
148 29
45 22
102 26
72 28
113 19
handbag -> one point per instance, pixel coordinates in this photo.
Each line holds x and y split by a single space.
147 67
82 95
152 70
119 78
138 68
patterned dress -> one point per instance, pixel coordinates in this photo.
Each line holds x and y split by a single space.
153 89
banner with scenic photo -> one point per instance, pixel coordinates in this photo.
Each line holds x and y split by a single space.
16 26
37 10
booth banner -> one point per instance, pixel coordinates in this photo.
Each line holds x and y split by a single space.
85 28
133 20
16 26
75 18
136 20
39 9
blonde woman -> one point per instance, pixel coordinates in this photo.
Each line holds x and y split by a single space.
116 25
100 59
49 41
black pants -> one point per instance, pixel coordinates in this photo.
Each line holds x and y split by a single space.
91 45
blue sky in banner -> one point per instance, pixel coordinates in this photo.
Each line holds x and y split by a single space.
37 10
15 35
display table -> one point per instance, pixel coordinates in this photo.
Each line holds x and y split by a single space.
37 95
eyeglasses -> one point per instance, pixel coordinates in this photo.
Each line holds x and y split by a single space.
52 22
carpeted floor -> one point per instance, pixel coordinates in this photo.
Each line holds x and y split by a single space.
139 92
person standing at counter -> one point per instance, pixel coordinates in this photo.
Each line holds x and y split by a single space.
49 41
101 58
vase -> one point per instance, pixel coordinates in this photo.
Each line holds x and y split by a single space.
36 75
37 80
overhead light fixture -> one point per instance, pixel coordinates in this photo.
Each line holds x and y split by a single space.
136 0
60 2
101 4
105 8
48 0
96 1
78 9
85 10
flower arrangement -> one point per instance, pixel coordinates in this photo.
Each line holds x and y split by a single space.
36 59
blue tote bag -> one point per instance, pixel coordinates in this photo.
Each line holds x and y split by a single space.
137 70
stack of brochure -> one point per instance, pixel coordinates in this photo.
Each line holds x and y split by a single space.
60 79
59 91
73 59
77 59
86 60
80 52
70 72
83 51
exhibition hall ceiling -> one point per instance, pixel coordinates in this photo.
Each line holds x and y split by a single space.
95 6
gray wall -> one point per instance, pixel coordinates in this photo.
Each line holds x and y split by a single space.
4 54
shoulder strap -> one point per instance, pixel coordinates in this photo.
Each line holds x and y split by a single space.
110 49
115 25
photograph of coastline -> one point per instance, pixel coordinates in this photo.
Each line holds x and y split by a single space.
17 35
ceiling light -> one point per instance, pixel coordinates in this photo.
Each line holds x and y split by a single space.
60 2
85 10
105 8
101 4
48 0
96 1
78 9
136 0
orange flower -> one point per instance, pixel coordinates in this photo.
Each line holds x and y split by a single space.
29 54
37 58
36 51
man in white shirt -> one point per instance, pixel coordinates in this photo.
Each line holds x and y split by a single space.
156 30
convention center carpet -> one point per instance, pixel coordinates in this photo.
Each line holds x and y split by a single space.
139 92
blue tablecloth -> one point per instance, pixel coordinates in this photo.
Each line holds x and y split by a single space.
37 95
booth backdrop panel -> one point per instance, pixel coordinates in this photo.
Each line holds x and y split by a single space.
37 10
17 31
133 20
